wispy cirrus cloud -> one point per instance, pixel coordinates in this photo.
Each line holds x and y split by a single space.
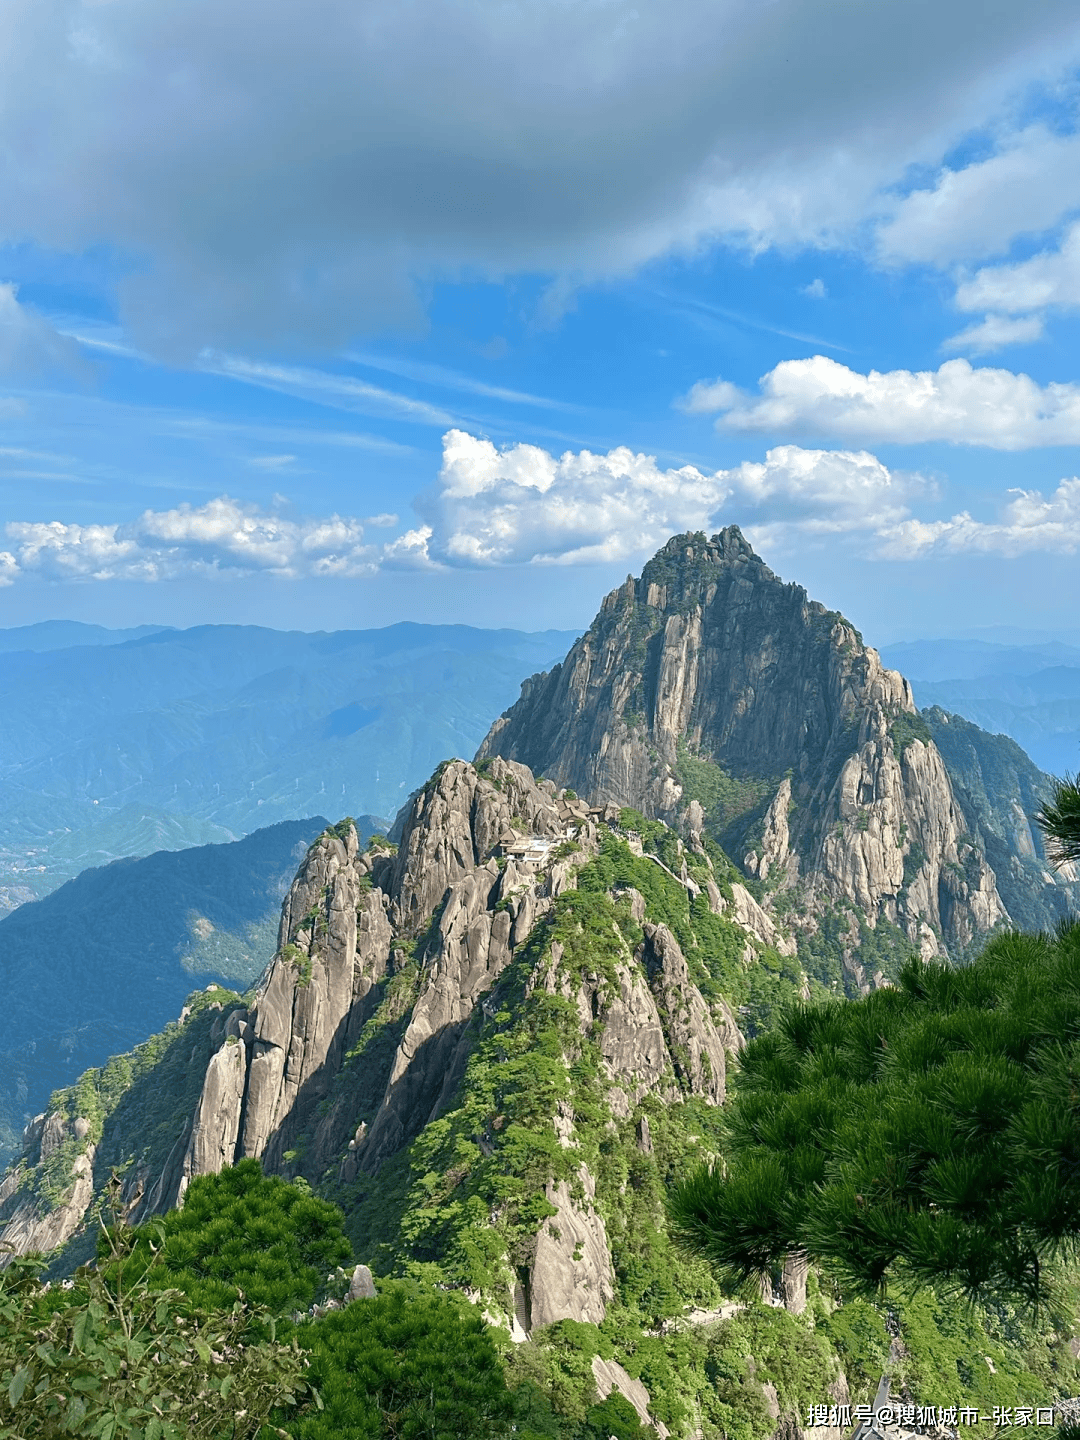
341 392
440 377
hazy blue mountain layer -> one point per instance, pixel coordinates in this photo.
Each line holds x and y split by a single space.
182 737
1029 692
63 634
109 957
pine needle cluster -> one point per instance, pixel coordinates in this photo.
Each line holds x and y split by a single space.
931 1130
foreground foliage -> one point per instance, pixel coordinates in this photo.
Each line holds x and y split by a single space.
1060 820
408 1364
931 1128
113 1356
242 1235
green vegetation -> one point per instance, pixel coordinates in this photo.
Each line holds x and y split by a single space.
895 1138
409 1364
242 1235
1060 820
905 729
299 959
714 946
115 951
99 1095
842 930
723 797
115 1356
927 1130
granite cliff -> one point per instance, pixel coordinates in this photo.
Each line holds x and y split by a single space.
712 695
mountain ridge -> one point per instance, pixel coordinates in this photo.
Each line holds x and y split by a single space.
709 672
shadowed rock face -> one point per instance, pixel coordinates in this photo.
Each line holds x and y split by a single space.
710 651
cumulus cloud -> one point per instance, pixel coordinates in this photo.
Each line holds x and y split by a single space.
284 173
957 402
977 211
223 537
1030 522
522 505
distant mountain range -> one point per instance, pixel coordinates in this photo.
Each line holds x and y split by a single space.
116 743
1029 691
93 968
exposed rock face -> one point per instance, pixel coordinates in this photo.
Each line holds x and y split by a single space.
610 1375
571 1276
31 1226
1000 791
690 1036
710 654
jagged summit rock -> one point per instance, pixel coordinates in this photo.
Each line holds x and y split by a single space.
710 683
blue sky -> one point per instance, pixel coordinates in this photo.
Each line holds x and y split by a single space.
336 315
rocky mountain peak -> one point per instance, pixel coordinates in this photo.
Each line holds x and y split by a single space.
709 682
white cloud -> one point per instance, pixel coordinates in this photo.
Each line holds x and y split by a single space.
708 396
221 537
522 505
270 462
995 332
1028 523
1051 278
341 392
1026 187
816 289
957 402
279 173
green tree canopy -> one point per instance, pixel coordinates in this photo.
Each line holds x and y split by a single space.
933 1129
242 1233
116 1357
409 1364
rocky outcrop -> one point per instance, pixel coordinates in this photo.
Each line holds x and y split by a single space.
1000 791
710 655
30 1218
571 1276
35 1225
610 1375
690 1037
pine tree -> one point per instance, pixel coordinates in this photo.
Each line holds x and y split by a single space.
932 1129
